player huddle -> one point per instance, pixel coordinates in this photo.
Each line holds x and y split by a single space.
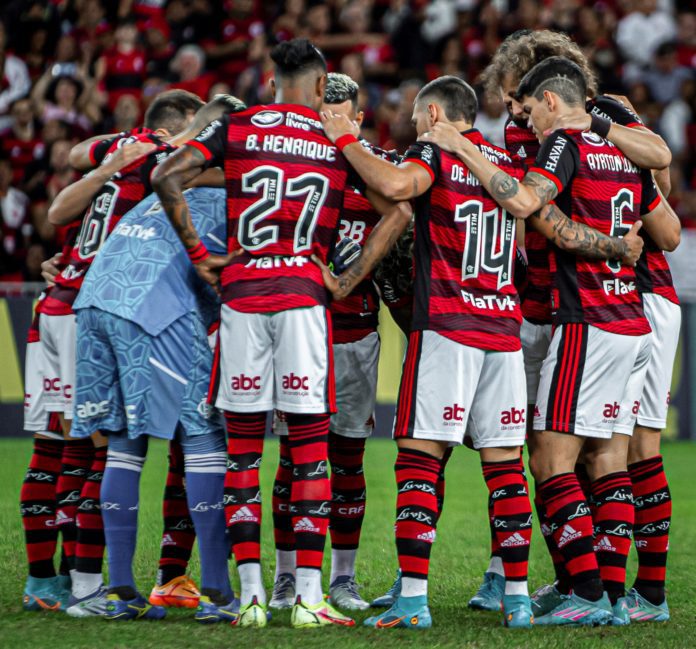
236 259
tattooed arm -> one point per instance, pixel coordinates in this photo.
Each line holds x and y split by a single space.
168 180
519 199
395 219
584 241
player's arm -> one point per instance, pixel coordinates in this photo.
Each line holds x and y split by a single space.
659 219
75 198
581 240
396 183
82 155
395 219
519 199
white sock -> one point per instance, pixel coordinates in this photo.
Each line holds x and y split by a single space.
285 563
342 564
85 583
411 587
308 585
250 579
516 588
496 566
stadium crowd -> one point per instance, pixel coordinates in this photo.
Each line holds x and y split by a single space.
75 68
231 213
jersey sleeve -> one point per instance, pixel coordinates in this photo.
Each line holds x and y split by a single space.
211 142
615 111
425 155
558 160
650 197
99 149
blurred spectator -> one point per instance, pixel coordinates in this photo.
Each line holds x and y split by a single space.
15 82
641 31
675 120
188 68
15 225
491 119
21 143
126 115
159 48
665 76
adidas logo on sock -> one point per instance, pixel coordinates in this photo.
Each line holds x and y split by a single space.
569 534
515 540
604 545
428 536
62 518
167 540
305 525
243 515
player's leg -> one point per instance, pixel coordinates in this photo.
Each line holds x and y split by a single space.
174 587
582 383
653 501
437 387
244 380
356 389
284 580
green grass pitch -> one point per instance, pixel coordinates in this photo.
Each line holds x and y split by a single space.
459 558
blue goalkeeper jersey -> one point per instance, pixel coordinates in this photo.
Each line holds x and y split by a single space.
142 272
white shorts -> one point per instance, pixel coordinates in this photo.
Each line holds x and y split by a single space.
279 360
536 339
665 320
448 389
585 379
355 368
59 336
37 418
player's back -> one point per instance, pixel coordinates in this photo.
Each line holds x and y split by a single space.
465 249
142 272
285 183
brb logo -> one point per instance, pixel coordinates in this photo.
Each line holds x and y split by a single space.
453 414
294 382
244 383
611 410
512 416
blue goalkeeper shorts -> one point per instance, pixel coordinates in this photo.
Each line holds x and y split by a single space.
129 379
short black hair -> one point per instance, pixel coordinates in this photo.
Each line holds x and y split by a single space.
171 109
297 57
456 96
558 75
339 88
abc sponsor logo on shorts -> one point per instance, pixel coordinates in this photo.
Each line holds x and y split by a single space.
89 409
244 383
611 411
453 415
55 385
295 384
512 419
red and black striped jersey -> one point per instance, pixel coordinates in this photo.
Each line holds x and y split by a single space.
602 188
357 315
652 269
71 232
120 194
536 295
464 252
285 190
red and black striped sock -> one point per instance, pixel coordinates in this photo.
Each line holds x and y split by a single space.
613 525
37 501
511 514
348 491
568 510
89 549
311 489
242 489
282 516
416 510
547 529
178 535
76 460
653 503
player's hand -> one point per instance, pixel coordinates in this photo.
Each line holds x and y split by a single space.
446 136
49 269
211 267
347 250
622 99
337 125
578 123
129 153
330 280
634 245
